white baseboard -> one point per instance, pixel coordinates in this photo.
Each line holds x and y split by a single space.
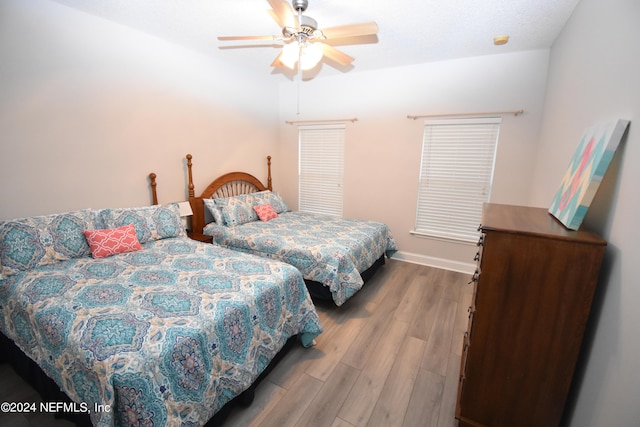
445 264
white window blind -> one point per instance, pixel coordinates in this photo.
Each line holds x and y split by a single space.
320 169
456 174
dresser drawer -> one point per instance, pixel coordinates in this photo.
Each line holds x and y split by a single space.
461 379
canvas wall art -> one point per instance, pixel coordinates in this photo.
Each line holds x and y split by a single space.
586 169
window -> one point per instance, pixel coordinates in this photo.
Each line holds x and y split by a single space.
320 169
456 174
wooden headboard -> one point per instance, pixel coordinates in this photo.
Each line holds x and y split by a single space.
227 185
154 192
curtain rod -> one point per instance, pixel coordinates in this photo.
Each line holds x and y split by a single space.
480 113
292 122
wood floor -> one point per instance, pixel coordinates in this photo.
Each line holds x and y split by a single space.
390 356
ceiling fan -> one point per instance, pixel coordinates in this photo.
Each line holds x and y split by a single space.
304 42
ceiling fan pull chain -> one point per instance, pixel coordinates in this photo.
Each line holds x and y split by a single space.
299 78
300 47
298 99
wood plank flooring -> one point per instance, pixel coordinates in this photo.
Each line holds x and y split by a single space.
390 356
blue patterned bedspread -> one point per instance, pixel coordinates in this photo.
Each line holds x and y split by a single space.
165 336
330 250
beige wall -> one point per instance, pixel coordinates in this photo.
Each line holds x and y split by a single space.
89 108
594 76
383 147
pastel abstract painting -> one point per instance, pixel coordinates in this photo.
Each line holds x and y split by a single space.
586 170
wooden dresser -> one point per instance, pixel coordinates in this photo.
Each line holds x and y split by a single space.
532 296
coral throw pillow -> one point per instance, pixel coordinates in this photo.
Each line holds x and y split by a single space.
265 212
104 243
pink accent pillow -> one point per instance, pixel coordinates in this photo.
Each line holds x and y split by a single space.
104 243
265 212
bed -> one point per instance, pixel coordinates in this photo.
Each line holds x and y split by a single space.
136 323
335 255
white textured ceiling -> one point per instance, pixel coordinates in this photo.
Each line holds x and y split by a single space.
410 31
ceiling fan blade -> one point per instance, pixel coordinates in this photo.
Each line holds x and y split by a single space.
277 62
283 13
335 54
352 30
228 38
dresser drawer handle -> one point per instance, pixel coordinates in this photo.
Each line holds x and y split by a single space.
474 278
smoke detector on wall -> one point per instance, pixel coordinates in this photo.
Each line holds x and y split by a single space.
500 40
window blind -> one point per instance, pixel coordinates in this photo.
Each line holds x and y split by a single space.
320 169
456 174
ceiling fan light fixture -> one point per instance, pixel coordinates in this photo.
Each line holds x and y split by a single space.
309 56
290 54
